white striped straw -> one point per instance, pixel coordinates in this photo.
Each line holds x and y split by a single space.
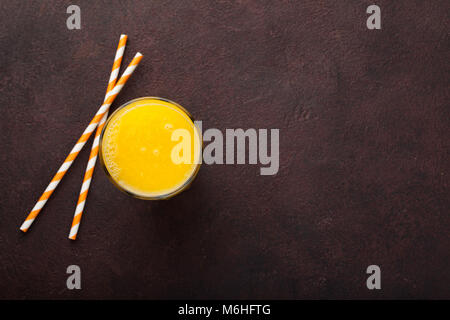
94 150
80 143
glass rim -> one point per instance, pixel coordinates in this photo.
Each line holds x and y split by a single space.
169 195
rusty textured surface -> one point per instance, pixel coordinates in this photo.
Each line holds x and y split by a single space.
364 150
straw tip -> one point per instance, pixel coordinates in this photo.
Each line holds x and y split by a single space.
123 35
72 237
139 54
26 225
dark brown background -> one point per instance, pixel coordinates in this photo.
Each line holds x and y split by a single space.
364 163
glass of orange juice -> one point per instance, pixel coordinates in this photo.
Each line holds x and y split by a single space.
140 148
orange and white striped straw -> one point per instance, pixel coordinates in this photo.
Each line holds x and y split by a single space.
94 150
80 143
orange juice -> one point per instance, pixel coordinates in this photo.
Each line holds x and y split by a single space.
138 143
